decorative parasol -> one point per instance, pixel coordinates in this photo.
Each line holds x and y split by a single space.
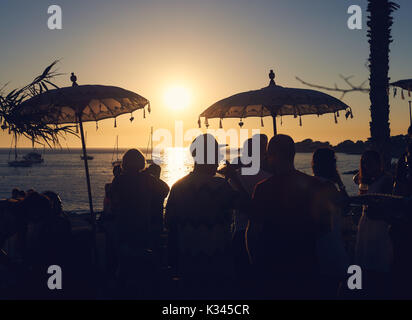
404 85
275 101
78 104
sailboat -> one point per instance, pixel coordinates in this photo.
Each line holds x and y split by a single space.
34 157
87 156
150 160
18 163
116 162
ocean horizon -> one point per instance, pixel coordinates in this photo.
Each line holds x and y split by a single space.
63 172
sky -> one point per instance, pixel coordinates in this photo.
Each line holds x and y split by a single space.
210 49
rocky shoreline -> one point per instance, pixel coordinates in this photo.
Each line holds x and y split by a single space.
398 146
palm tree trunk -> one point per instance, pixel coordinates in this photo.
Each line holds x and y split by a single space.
380 22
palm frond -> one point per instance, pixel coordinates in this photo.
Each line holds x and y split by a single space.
31 127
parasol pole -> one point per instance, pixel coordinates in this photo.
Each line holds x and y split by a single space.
275 129
410 112
86 167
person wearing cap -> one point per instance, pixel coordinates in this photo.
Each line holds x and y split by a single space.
291 212
132 195
198 218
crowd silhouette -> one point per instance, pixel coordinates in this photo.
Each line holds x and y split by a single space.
277 234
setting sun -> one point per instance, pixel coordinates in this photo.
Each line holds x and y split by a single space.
177 97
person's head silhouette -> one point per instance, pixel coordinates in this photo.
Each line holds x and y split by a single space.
281 153
117 170
133 160
324 163
206 154
154 170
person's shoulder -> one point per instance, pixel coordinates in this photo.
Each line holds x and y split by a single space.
181 182
311 180
265 183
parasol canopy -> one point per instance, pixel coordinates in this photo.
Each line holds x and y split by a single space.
91 102
275 101
404 85
78 104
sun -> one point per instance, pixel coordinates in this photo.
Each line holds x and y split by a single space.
177 97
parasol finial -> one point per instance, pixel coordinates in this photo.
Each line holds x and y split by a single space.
73 79
272 78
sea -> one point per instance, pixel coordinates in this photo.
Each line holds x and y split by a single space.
63 172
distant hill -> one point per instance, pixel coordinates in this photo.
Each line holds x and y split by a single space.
398 145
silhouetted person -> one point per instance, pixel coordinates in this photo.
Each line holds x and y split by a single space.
241 215
374 248
332 256
324 167
133 194
107 222
401 229
291 212
107 205
403 179
156 215
198 218
15 193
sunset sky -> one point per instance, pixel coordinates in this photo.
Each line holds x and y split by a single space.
201 51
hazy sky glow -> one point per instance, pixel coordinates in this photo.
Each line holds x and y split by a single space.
211 49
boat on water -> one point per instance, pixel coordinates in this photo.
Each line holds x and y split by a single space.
118 161
20 163
150 151
34 157
87 156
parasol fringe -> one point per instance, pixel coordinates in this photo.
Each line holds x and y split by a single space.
403 95
220 124
281 120
148 107
115 123
241 124
144 113
336 119
206 123
261 123
131 117
199 123
300 121
395 92
97 126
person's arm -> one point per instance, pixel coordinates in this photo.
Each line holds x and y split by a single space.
170 224
242 199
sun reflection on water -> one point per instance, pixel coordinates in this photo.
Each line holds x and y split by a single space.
177 163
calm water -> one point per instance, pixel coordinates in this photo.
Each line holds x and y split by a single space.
63 172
